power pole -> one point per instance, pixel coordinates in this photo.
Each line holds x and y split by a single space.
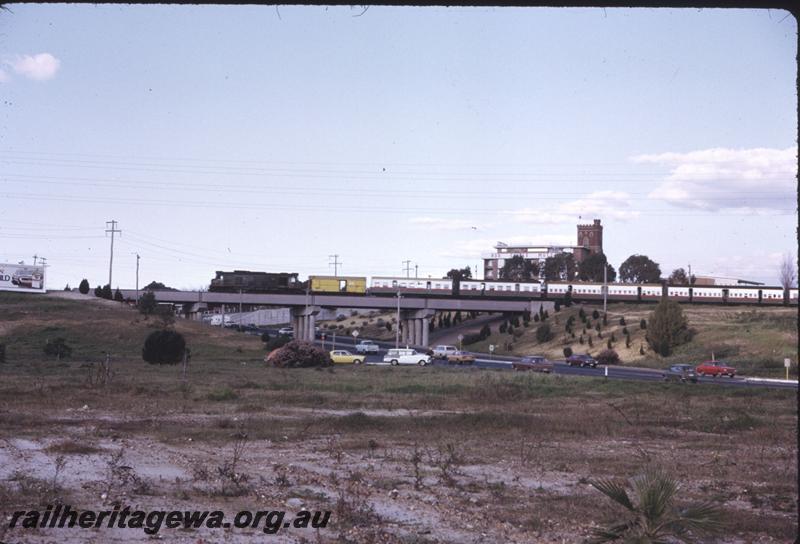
407 268
336 262
605 285
112 230
137 278
397 328
34 260
416 271
43 260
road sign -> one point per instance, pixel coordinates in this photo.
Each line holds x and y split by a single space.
787 362
355 334
460 337
491 347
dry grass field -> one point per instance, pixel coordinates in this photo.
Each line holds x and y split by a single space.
399 455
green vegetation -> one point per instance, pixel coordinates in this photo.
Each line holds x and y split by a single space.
669 328
164 347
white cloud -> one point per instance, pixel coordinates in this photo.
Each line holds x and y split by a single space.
39 67
599 204
750 181
443 223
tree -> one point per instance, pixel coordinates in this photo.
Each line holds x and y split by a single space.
58 348
787 273
147 303
591 268
668 327
518 268
164 347
678 277
106 292
157 286
639 269
67 288
458 274
98 292
83 288
559 267
543 333
118 296
654 517
567 351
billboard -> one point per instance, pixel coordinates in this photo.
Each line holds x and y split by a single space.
23 278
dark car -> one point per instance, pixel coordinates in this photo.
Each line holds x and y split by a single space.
582 360
533 362
680 373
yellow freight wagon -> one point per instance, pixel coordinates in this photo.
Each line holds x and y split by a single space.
338 284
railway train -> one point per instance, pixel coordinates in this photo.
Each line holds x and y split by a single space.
282 282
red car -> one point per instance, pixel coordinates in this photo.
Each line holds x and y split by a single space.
715 368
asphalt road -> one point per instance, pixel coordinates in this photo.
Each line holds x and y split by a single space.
614 372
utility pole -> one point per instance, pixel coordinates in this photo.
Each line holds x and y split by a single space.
416 271
605 291
43 260
407 268
335 264
34 260
112 230
137 278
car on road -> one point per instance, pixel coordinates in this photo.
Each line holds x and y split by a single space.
582 360
441 352
286 331
460 358
367 346
680 373
345 357
715 368
537 363
406 356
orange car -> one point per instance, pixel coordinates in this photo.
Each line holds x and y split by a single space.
460 358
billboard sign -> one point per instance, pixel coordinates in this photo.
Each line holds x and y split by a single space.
24 278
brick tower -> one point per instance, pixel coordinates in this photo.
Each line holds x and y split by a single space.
590 237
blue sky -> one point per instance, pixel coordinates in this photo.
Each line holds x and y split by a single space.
224 137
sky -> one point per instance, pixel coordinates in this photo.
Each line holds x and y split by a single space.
263 138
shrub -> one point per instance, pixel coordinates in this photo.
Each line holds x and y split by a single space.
486 332
164 347
536 317
668 328
557 306
608 357
503 327
605 319
83 288
580 339
545 315
609 344
340 317
641 349
388 325
543 333
106 293
595 314
67 288
622 321
590 341
567 351
643 324
98 291
265 337
625 331
118 295
297 354
613 338
627 341
58 348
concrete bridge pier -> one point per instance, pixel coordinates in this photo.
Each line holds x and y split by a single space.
416 324
304 321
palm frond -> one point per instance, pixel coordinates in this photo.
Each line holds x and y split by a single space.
613 490
656 491
702 518
613 533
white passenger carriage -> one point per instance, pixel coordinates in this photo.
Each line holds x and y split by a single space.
383 284
500 288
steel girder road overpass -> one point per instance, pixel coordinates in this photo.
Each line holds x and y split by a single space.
416 310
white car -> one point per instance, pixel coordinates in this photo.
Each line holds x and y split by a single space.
367 346
406 357
441 352
286 331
